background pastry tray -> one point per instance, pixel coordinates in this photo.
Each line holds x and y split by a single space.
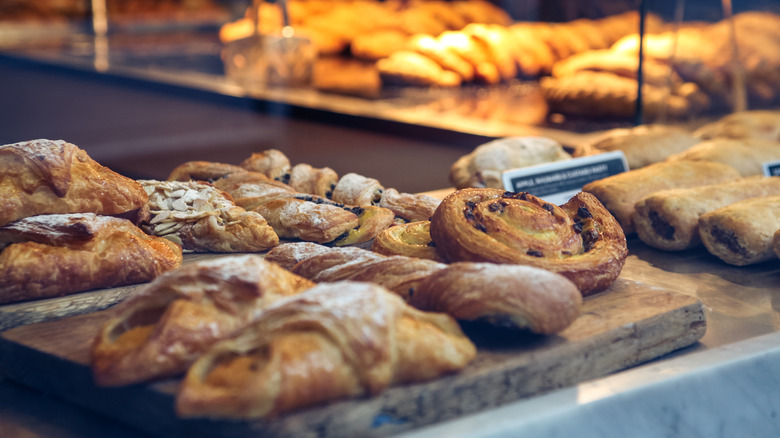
628 324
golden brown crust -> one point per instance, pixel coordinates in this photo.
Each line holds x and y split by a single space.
745 155
619 193
272 163
412 239
580 239
744 124
408 206
335 341
202 171
318 181
60 254
406 67
669 219
503 295
742 233
163 329
445 56
45 176
354 189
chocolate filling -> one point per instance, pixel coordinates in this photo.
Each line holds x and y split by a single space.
729 239
660 226
584 213
534 253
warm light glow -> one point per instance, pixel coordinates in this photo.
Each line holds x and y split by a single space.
288 32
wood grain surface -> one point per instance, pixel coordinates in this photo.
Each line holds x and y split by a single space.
628 324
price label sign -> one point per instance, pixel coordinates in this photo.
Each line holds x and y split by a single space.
558 181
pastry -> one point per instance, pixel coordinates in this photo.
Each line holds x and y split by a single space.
669 219
495 39
484 166
742 233
54 176
202 171
579 240
619 193
318 181
354 189
410 207
405 67
746 155
643 144
443 55
378 44
201 218
160 331
335 341
507 296
762 124
272 163
412 239
51 255
475 52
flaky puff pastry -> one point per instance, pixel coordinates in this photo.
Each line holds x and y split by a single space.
580 239
162 330
58 254
335 341
54 176
508 296
412 239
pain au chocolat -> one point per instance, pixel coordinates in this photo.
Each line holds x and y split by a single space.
580 239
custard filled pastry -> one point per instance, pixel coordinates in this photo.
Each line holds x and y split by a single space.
336 341
162 330
412 239
199 217
51 255
579 240
54 176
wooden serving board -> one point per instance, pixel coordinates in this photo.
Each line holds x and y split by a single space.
628 324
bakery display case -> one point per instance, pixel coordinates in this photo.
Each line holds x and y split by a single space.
659 315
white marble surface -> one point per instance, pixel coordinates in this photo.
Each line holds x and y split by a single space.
730 391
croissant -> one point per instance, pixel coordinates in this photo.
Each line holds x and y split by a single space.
58 254
162 330
504 295
202 218
54 176
580 239
335 341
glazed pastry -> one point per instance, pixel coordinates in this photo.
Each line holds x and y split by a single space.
619 193
201 218
202 171
513 296
59 254
306 179
762 124
484 165
335 341
408 206
642 145
54 176
742 233
669 219
746 155
412 239
272 163
579 240
173 320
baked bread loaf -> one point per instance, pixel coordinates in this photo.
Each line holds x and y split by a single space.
412 239
579 240
642 145
54 176
201 218
335 341
746 155
619 193
742 233
483 166
513 296
52 255
669 219
174 319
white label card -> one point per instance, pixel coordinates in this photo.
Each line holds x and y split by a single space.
771 168
558 181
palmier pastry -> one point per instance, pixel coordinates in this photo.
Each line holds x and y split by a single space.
202 218
508 296
580 239
669 219
58 254
335 341
162 330
54 176
412 239
619 193
742 233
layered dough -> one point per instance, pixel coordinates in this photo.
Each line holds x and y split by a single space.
46 256
580 240
54 176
